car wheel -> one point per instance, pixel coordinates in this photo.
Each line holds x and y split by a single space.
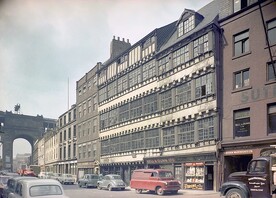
235 193
122 188
159 191
80 185
138 191
98 187
109 187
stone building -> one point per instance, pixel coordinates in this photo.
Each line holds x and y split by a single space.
249 82
67 142
87 123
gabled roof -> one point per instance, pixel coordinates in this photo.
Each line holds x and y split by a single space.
209 14
185 14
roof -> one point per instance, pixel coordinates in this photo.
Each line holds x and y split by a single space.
209 14
34 182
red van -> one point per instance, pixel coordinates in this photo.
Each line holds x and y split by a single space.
159 181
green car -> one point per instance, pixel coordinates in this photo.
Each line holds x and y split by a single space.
88 180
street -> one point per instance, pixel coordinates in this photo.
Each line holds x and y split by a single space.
74 191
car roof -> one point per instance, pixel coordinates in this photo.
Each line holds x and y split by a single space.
22 178
41 182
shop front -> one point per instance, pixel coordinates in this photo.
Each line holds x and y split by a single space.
193 171
87 168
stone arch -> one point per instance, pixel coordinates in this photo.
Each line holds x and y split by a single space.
16 126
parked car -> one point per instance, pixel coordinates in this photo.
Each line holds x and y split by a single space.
159 181
56 176
38 188
3 183
111 182
45 175
67 179
88 180
11 185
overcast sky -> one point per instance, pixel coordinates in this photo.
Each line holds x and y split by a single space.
45 43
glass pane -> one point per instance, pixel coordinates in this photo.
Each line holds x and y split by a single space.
238 49
272 36
246 78
238 80
271 72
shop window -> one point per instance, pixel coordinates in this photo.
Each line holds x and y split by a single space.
242 123
271 71
241 79
271 118
241 43
271 31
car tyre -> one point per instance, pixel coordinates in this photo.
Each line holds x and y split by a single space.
122 188
80 185
138 191
109 187
235 193
159 191
98 187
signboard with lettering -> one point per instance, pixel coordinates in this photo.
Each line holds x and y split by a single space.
242 127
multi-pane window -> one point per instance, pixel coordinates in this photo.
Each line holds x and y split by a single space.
136 108
79 131
89 150
271 108
166 99
122 83
241 43
149 70
94 149
84 151
168 136
69 133
189 24
75 131
89 105
183 93
186 26
125 142
94 129
104 120
241 79
113 117
148 47
206 129
74 150
111 89
271 31
186 133
150 104
164 65
241 4
201 45
181 56
64 135
115 145
204 85
102 94
124 113
102 77
122 63
79 151
271 71
94 102
60 137
135 77
69 151
138 140
84 108
105 147
242 123
152 138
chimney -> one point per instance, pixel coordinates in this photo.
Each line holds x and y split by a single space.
118 46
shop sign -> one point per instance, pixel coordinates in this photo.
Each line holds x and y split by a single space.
195 164
238 152
160 161
242 127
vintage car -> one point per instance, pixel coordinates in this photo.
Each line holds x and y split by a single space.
11 185
3 183
55 176
88 180
111 182
38 188
66 179
159 181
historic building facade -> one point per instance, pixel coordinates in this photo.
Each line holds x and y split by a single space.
249 82
87 124
158 104
67 142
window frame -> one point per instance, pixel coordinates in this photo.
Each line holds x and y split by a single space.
242 79
245 117
241 38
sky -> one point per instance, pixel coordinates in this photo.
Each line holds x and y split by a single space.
46 46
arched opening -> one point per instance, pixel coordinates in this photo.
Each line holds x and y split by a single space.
22 153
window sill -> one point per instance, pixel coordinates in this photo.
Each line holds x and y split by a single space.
270 82
241 55
241 89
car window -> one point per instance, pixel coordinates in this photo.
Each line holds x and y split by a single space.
116 177
106 178
42 190
165 174
94 177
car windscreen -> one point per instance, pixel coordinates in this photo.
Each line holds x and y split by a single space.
116 177
43 190
166 174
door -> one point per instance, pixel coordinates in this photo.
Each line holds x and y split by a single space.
209 177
